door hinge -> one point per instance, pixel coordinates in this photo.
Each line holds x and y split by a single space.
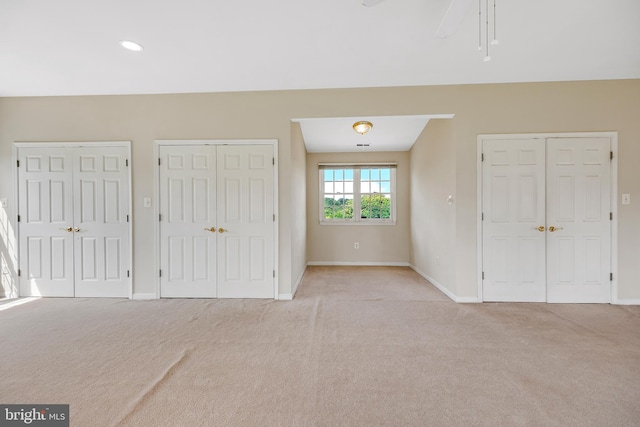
482 157
19 273
158 161
127 273
18 218
611 277
610 155
159 217
274 274
482 217
160 274
273 161
18 163
610 216
127 217
483 275
126 162
274 217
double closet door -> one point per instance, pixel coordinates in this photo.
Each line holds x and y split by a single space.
546 206
73 207
216 221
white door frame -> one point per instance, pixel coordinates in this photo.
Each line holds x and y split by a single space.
614 195
64 144
186 142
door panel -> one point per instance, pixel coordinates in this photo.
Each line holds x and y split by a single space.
245 212
188 210
46 210
101 227
578 206
513 208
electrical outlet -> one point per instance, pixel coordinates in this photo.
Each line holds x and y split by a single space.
356 245
626 199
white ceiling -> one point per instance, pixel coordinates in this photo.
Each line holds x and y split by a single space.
70 47
389 133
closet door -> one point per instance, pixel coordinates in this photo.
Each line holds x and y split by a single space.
188 221
74 231
514 220
578 219
101 229
245 222
45 198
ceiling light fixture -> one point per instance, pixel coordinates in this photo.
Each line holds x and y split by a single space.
127 44
362 127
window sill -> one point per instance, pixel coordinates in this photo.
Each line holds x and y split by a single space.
357 223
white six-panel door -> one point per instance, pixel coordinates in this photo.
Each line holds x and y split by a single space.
45 200
546 228
216 221
514 220
188 221
74 232
245 222
578 221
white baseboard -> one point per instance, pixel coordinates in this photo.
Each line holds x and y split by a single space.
140 296
285 297
443 289
622 301
361 263
296 284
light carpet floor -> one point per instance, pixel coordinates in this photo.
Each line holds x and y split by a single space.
357 347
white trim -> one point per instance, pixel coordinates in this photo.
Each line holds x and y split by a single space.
144 296
294 287
614 195
361 263
630 301
193 142
285 297
443 289
63 144
409 116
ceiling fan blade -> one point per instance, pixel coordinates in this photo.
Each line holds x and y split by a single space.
453 18
370 3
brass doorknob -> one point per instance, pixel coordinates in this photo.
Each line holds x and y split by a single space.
69 229
212 229
540 228
221 230
76 229
552 228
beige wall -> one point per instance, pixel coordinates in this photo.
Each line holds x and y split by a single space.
298 206
378 243
479 109
433 219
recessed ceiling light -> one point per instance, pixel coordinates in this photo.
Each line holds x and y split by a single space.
127 44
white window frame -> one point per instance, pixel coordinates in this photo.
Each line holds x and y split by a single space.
356 220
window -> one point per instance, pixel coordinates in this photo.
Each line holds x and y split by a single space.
362 194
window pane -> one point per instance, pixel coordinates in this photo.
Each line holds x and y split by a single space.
385 174
328 175
375 174
385 187
348 175
364 174
348 187
328 187
339 174
339 187
365 187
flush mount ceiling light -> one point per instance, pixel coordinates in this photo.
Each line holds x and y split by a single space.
128 44
362 127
